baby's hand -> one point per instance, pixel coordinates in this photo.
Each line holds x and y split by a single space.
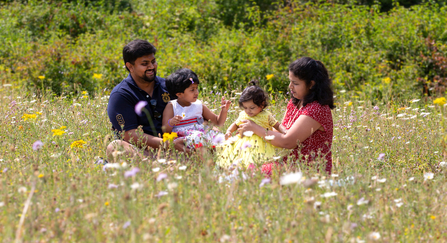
175 120
225 104
228 135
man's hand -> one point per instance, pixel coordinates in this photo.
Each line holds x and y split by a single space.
133 136
179 145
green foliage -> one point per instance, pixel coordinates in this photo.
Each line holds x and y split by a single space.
385 5
367 52
108 5
244 13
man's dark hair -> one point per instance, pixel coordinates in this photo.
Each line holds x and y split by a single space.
180 80
255 93
308 70
135 49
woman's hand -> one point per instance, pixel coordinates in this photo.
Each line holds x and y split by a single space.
248 125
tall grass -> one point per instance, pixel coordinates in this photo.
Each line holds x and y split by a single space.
370 195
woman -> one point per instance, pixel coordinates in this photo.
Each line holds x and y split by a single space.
308 117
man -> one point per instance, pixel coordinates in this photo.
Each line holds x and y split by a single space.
142 84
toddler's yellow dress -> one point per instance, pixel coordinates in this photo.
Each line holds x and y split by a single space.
248 150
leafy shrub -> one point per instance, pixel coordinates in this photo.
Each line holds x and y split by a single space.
368 53
385 5
59 20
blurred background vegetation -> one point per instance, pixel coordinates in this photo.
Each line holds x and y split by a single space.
374 49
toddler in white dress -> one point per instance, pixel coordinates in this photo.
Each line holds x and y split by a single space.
186 114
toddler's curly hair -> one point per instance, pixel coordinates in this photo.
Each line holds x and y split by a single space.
255 93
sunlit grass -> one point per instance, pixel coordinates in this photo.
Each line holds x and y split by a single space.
381 187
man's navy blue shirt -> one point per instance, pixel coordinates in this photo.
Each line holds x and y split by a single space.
126 95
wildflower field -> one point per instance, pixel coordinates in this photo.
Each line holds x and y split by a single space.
60 60
388 182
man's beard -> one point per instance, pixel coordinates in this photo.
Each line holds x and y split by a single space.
148 79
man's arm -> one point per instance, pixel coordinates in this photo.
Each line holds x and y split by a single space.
141 139
121 111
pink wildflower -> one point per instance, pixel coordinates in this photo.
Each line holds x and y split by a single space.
140 106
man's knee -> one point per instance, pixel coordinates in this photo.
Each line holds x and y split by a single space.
113 146
110 149
119 147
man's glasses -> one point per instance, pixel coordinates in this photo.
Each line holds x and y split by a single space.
157 115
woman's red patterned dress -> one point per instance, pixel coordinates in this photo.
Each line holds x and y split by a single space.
319 144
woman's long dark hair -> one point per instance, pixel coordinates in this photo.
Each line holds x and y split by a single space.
308 70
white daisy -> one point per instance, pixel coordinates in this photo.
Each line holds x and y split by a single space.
248 133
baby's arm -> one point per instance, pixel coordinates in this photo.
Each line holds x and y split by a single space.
280 128
220 119
169 120
233 127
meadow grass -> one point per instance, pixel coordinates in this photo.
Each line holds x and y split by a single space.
380 189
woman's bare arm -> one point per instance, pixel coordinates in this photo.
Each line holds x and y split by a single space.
280 128
303 127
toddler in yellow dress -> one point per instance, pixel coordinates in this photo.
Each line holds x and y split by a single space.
248 149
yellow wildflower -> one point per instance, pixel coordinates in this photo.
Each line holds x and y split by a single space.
350 103
29 116
57 132
401 109
433 217
41 77
84 92
386 80
63 127
169 136
106 204
270 76
40 176
97 76
39 113
440 101
78 144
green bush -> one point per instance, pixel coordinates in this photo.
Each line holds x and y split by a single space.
369 53
385 5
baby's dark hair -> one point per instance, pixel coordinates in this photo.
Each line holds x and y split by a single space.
255 93
180 80
308 70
